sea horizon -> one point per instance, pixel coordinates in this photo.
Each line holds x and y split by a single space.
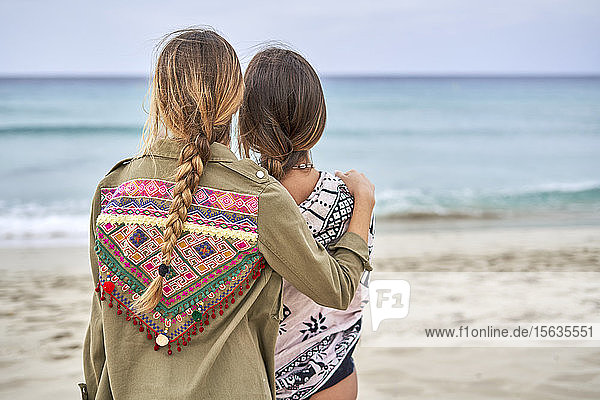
374 75
479 150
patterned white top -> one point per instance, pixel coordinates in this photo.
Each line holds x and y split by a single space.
314 340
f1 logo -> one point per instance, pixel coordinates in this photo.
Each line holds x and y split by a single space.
389 299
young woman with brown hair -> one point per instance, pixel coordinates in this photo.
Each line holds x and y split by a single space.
282 118
189 246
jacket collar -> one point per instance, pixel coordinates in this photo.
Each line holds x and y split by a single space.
171 148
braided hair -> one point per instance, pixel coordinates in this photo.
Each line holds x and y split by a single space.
196 88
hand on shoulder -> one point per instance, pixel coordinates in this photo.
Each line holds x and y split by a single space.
359 186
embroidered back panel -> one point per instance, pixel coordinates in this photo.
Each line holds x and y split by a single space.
214 261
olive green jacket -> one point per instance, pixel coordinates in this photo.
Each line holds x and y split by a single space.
233 357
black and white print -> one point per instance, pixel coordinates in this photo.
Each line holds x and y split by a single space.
313 340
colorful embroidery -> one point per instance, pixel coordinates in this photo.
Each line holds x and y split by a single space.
215 258
159 189
206 227
147 202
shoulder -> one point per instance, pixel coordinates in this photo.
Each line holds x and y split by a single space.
115 174
275 197
333 186
107 182
331 181
119 165
250 170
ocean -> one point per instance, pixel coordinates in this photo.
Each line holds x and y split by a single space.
498 149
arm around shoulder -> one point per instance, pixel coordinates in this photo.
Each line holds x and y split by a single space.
290 249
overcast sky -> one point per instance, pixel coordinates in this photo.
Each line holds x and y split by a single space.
338 37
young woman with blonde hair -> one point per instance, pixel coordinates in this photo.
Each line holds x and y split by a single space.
189 246
282 118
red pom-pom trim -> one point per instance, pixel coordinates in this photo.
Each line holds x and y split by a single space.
196 327
108 286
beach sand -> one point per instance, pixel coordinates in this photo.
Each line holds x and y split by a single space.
489 372
43 320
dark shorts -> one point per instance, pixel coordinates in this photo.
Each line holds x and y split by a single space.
344 370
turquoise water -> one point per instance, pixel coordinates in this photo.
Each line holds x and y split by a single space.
434 147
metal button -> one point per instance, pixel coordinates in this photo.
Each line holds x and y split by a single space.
162 340
260 174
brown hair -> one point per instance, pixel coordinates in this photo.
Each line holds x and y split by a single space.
283 113
196 89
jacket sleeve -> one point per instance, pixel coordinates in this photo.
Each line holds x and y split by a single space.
93 347
290 249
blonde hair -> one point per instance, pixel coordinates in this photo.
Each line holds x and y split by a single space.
196 89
